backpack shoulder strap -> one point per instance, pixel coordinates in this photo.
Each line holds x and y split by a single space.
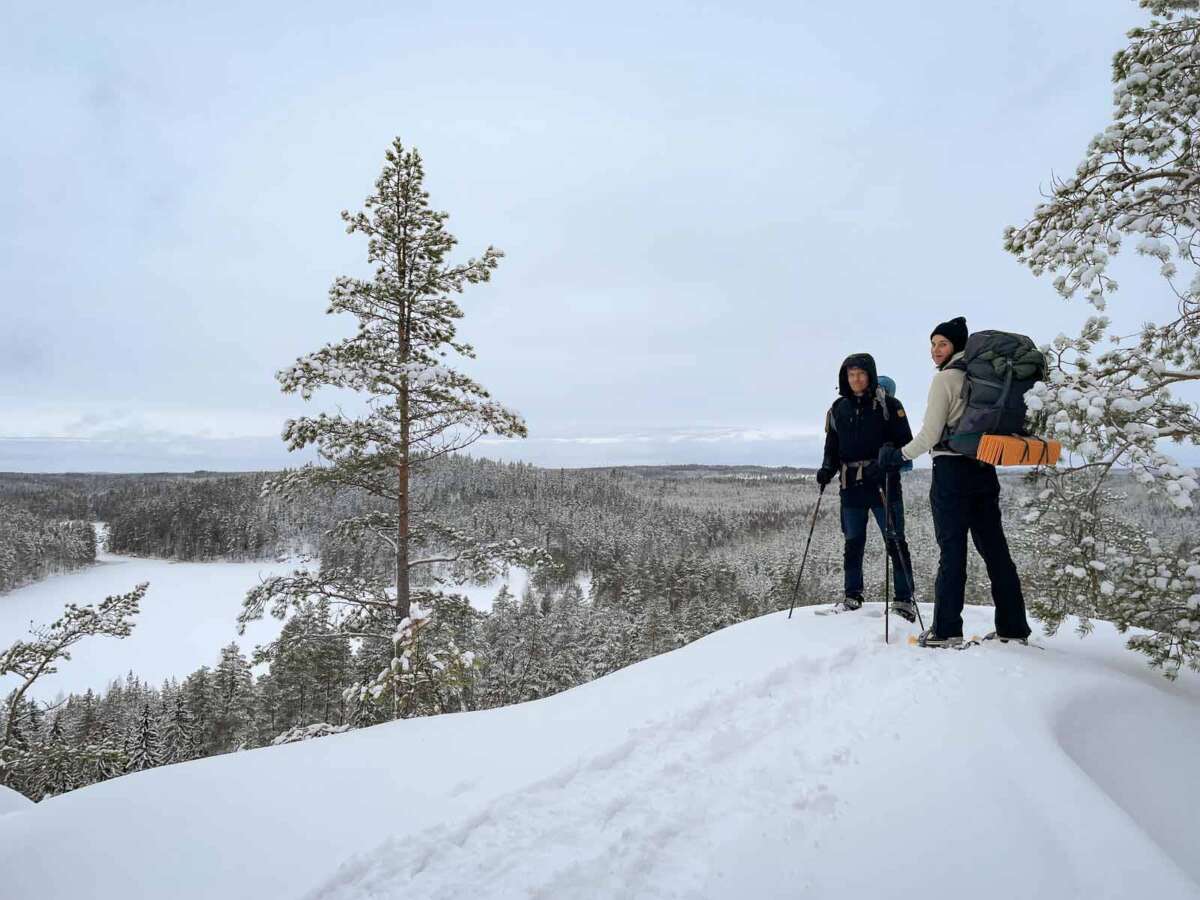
831 416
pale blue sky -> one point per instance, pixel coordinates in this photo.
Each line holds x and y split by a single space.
705 207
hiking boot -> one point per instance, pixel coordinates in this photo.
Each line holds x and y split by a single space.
905 609
928 639
851 602
992 636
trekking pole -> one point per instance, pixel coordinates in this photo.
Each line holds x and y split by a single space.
891 540
887 578
807 544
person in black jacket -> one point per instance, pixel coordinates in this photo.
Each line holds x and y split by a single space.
861 422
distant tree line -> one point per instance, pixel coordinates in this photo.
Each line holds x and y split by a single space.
214 518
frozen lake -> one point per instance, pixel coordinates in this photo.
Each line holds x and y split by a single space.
188 614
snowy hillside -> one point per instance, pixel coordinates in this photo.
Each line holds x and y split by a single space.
776 758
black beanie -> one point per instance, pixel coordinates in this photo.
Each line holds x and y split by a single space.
955 331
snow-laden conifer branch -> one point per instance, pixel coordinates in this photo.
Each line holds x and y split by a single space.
29 660
1112 408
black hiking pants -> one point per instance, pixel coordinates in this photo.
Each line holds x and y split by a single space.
965 498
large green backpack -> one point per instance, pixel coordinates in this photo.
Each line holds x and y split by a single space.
1000 367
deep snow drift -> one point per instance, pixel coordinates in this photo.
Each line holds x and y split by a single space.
776 758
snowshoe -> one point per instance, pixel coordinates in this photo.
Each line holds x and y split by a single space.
1024 642
993 636
905 609
849 603
928 639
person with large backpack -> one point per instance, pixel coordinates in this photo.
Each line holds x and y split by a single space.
979 389
862 420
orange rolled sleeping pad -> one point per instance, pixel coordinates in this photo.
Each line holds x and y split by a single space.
1015 450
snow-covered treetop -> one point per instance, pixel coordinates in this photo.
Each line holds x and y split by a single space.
1139 180
1140 176
420 408
1167 8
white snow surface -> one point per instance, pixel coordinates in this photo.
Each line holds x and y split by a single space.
796 758
516 579
481 596
11 801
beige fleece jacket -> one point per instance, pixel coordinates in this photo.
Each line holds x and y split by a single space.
944 406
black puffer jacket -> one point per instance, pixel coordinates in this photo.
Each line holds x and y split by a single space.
856 427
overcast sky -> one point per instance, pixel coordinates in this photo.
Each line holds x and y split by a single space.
704 206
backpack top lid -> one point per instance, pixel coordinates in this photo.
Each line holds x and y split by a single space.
990 354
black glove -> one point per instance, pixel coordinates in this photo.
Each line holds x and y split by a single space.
824 475
890 458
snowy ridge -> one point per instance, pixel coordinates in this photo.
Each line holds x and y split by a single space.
775 758
11 801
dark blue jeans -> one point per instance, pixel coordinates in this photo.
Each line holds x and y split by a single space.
854 529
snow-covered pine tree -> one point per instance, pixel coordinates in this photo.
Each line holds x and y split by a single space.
310 665
533 633
233 699
54 764
98 757
87 720
655 629
1112 408
419 410
19 757
143 743
269 710
568 664
502 661
453 628
522 653
197 693
101 758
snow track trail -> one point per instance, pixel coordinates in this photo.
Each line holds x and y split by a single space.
657 788
776 758
758 782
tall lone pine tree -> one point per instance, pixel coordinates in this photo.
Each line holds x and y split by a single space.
1139 180
418 410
